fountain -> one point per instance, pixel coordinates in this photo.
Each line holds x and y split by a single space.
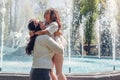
112 18
110 15
3 10
13 43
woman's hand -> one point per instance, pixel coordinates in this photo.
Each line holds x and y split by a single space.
58 33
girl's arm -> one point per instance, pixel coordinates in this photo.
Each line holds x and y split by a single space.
42 32
31 33
50 30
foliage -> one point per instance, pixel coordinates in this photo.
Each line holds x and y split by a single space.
90 11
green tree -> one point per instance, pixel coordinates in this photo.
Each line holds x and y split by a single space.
90 11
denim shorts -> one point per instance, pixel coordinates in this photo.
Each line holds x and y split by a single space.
39 74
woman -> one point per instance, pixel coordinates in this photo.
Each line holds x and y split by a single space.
44 45
53 28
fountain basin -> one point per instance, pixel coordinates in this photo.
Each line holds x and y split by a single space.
74 66
114 75
12 72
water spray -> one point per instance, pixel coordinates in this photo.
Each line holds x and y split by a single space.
3 10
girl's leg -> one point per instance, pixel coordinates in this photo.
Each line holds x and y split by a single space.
58 61
52 74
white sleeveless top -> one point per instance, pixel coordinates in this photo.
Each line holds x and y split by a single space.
52 28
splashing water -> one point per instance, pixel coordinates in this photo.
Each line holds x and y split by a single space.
3 10
112 11
110 28
31 11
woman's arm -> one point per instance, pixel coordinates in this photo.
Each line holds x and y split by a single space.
53 45
58 33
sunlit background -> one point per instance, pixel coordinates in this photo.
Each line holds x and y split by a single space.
91 28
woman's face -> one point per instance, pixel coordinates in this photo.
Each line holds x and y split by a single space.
47 17
36 22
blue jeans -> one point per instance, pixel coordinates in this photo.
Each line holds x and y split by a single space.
39 74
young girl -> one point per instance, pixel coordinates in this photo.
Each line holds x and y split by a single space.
53 28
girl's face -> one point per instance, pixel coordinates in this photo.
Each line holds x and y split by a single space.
47 17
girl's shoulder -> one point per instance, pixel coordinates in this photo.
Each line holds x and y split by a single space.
54 23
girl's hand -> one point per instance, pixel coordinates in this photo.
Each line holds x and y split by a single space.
31 33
